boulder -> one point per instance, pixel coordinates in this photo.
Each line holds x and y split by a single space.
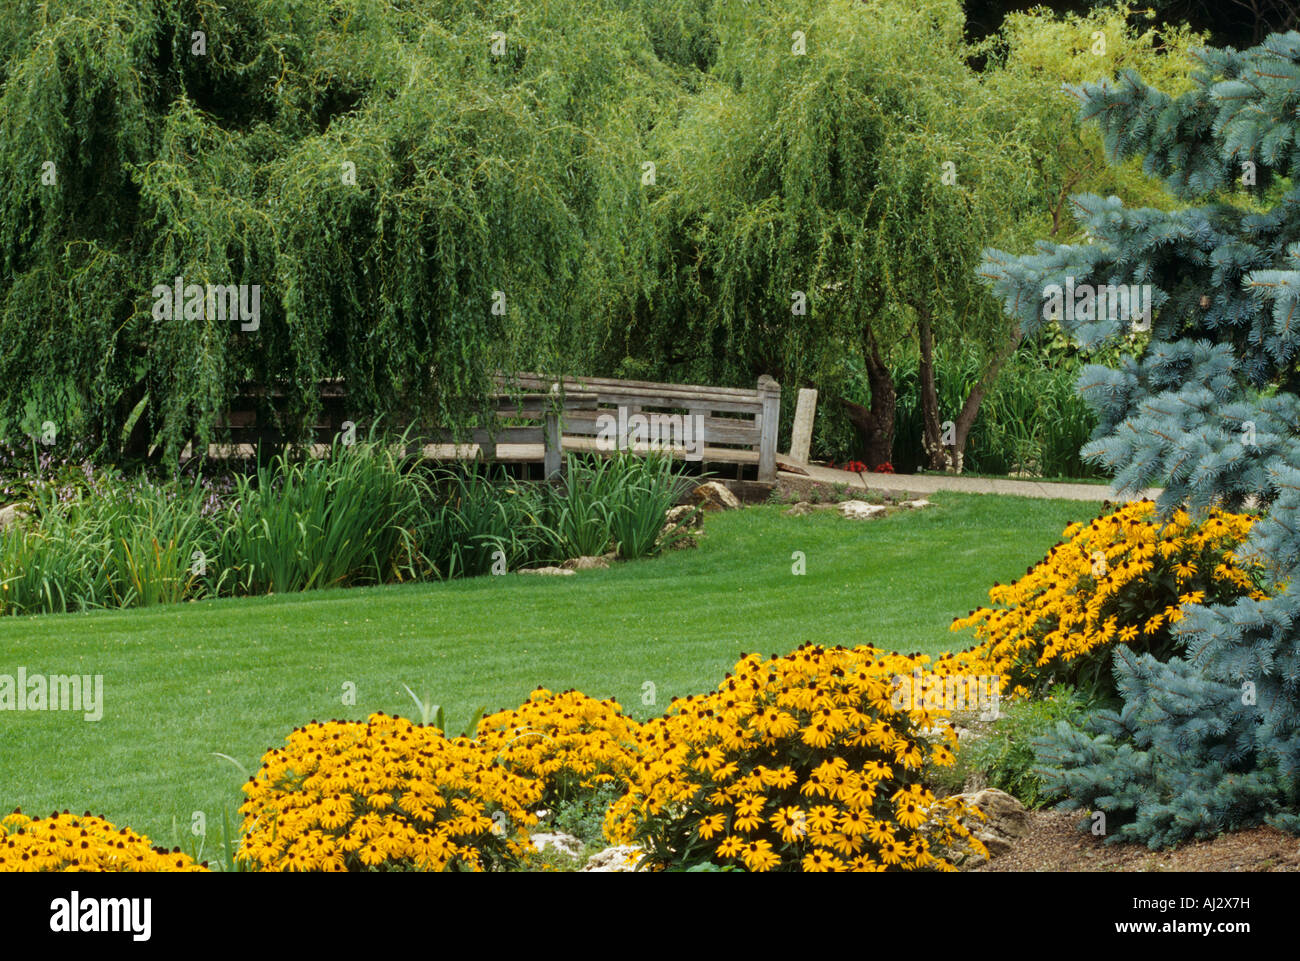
620 858
1005 820
861 510
713 496
679 520
915 505
799 509
586 563
10 516
565 844
546 571
686 515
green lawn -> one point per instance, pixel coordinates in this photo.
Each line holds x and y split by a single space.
236 675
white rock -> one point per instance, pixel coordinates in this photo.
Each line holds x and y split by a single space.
686 514
586 563
620 858
861 510
552 571
915 505
565 844
1004 822
10 516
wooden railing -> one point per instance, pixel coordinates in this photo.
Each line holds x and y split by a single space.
725 425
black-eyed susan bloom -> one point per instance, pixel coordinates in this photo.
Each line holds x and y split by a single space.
66 842
808 742
1121 579
401 796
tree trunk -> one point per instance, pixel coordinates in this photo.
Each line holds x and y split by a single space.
941 452
134 447
875 425
945 441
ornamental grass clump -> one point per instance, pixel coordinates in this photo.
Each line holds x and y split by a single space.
335 521
118 542
386 794
1121 579
799 762
572 742
70 842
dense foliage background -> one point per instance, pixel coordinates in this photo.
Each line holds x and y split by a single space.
428 191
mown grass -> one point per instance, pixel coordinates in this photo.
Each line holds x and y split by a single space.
235 675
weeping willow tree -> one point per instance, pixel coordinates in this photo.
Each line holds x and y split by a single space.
822 202
413 191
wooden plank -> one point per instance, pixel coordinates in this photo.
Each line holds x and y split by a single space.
716 430
539 404
534 453
719 455
771 392
668 395
506 435
801 431
543 383
791 466
506 453
553 456
684 402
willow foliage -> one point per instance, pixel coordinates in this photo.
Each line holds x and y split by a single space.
381 169
821 174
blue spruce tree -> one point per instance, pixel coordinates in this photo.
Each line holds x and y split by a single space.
1209 741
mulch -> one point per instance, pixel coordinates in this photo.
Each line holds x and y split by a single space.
1054 843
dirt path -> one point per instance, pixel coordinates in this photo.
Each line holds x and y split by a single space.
930 483
1053 843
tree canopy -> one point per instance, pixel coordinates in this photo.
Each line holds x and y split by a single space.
824 199
424 192
415 188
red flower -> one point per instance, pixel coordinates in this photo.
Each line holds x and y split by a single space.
885 468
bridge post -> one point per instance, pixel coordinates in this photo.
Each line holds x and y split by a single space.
769 391
553 453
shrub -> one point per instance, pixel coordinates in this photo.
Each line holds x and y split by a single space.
323 522
121 542
583 815
570 741
68 842
385 794
651 485
1004 756
1209 740
582 504
477 518
1031 420
797 762
1120 579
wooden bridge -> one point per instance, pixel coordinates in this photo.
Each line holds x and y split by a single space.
542 418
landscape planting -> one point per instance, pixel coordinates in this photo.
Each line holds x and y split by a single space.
456 436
